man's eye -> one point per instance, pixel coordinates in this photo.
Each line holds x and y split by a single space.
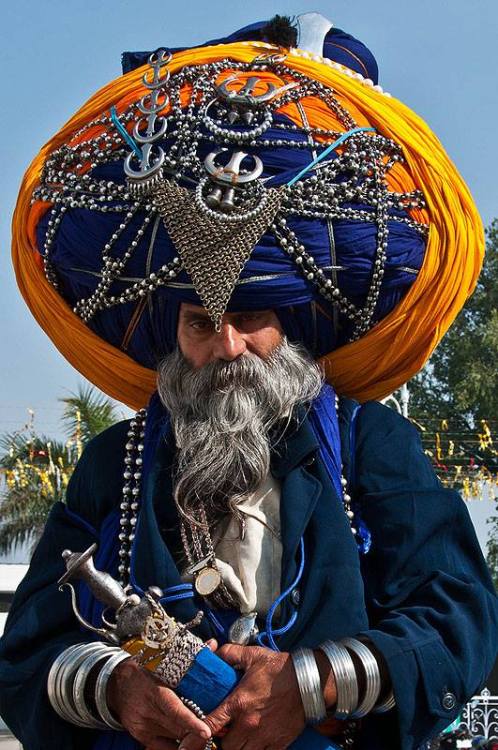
200 325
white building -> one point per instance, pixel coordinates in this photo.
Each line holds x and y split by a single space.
11 576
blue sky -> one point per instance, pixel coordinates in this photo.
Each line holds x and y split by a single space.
439 57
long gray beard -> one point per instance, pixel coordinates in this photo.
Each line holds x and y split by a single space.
221 415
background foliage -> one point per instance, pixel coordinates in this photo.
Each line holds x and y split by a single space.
36 469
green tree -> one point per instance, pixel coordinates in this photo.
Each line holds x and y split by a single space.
37 469
461 379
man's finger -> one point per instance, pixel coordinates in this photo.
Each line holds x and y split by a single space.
176 718
240 657
161 743
212 644
220 717
192 742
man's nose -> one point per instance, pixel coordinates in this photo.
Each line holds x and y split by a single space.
229 343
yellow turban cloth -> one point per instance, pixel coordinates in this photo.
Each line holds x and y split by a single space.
388 354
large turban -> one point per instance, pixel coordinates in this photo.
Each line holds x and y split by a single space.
288 180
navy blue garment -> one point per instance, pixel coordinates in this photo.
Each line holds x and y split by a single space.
422 594
338 46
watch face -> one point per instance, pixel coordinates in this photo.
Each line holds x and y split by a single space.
207 581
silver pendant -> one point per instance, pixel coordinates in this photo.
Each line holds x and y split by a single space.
207 580
244 630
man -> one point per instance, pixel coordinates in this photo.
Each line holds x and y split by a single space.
344 581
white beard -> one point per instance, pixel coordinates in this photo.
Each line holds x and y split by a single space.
221 415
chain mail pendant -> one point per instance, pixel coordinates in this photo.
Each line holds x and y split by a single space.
213 249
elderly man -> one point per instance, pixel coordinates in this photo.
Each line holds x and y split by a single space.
333 569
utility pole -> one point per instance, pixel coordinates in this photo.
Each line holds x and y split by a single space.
404 399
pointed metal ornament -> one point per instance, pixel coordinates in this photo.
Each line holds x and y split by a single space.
213 251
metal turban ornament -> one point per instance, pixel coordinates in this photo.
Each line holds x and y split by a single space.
240 176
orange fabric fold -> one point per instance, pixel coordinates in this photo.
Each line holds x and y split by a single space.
391 352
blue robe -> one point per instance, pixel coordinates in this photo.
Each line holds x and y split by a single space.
422 594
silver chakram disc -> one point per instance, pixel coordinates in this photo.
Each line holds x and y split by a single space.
207 581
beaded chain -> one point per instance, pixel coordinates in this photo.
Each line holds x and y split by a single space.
351 186
130 502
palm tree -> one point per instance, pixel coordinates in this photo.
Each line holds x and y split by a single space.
37 469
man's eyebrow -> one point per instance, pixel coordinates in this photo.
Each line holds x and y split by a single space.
191 315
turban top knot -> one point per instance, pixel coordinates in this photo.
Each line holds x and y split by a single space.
242 176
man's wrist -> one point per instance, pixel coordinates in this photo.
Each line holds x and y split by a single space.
121 673
69 679
327 679
309 683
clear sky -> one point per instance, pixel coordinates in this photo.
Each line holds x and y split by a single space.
438 56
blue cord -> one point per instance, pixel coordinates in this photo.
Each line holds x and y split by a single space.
180 587
124 133
177 593
185 591
269 633
176 597
327 151
217 624
287 626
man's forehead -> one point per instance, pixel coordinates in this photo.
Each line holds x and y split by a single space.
188 309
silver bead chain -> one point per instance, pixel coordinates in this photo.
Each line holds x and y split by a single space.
130 502
200 715
355 176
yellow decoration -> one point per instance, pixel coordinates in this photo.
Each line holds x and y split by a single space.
134 645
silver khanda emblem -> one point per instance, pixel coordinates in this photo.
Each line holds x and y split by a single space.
229 177
141 170
244 101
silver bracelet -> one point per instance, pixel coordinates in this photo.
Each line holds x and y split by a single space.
345 678
386 705
57 704
61 671
101 688
60 683
79 683
308 680
200 715
372 675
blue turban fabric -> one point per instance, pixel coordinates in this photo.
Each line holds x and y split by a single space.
338 46
269 280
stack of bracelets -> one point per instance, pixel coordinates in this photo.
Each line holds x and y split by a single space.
347 658
68 691
86 705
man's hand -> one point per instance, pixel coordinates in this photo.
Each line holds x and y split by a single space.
264 711
152 713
